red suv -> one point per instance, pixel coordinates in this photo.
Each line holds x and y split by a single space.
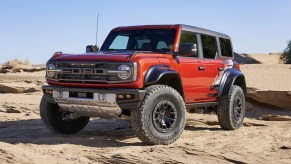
153 74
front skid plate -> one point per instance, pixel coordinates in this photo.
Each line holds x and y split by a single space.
92 111
101 105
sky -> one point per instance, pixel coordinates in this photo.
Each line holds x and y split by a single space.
35 29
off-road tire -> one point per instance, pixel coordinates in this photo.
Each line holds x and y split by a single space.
142 118
226 109
51 117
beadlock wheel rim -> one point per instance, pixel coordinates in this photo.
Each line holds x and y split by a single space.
164 116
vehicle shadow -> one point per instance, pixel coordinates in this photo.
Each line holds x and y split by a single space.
195 128
98 133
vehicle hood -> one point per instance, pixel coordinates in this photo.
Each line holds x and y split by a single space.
94 57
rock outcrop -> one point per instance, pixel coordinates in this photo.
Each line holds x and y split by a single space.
12 89
281 99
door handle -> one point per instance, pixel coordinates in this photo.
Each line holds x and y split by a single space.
201 68
220 68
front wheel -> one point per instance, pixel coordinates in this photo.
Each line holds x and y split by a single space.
161 117
53 118
231 109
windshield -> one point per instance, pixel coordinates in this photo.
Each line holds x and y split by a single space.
140 40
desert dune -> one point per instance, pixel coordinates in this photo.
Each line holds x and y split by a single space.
264 138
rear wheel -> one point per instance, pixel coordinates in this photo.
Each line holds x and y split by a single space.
231 109
58 121
161 117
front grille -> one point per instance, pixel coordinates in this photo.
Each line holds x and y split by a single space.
87 72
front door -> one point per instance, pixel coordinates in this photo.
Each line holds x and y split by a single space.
192 70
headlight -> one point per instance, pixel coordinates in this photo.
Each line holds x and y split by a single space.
124 72
50 70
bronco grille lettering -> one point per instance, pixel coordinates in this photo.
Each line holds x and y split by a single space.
83 71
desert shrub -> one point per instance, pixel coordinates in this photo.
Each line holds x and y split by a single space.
286 56
13 64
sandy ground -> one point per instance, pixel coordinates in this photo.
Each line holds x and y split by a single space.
24 139
269 83
275 77
272 58
23 76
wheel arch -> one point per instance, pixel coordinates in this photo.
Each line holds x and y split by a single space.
232 77
164 75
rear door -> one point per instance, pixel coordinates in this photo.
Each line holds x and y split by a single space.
192 71
213 66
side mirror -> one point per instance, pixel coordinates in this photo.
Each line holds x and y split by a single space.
91 48
188 49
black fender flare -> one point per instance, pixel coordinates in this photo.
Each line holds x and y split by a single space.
229 78
157 72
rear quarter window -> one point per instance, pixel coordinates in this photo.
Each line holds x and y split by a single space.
225 47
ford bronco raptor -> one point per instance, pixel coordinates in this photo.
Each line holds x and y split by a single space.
152 73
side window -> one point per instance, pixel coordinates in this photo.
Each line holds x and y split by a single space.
209 46
120 42
225 47
189 38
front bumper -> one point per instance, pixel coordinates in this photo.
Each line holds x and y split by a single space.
93 106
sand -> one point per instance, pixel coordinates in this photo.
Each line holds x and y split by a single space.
24 139
275 77
269 83
271 58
